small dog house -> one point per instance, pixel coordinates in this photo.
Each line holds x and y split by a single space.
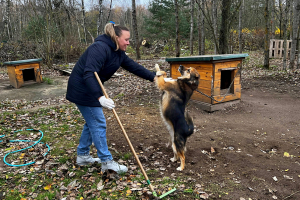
220 78
22 71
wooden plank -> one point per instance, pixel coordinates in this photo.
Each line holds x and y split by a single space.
205 84
27 66
236 88
38 75
19 78
12 76
224 65
206 58
199 97
204 75
234 96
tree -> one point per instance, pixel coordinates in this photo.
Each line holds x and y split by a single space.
224 31
7 25
214 19
135 30
285 35
83 19
202 29
177 47
192 26
240 27
99 22
267 35
295 30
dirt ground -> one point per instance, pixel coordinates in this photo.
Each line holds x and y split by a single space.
256 142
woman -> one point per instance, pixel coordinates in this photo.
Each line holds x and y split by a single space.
104 56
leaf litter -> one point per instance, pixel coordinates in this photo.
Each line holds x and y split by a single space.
129 184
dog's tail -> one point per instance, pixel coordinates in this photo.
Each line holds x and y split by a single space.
190 124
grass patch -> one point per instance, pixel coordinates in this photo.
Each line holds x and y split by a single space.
48 80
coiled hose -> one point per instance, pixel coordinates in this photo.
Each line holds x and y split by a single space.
35 142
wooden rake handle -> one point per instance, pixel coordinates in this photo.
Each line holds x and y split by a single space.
125 134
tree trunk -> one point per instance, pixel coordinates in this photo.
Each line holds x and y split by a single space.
273 18
285 53
199 30
296 23
109 11
135 29
177 48
240 27
192 27
7 32
202 30
83 19
298 61
214 19
280 18
223 40
100 18
267 36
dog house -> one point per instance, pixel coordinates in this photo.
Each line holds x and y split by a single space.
22 71
220 78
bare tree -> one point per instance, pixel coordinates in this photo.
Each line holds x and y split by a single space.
285 53
214 19
240 27
280 18
135 29
177 48
100 18
199 30
109 10
83 19
7 30
267 35
273 14
296 24
224 31
192 27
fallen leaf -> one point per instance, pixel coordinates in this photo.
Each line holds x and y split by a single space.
212 150
286 154
48 187
100 185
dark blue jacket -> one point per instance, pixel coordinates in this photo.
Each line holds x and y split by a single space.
101 57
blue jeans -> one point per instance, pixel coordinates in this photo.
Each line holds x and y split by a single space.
94 131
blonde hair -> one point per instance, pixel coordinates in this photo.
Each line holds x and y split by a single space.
114 30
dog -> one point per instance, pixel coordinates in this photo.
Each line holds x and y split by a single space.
175 95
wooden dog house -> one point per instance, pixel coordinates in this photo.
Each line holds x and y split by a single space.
22 71
220 78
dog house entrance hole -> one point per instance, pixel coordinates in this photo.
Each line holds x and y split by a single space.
226 79
28 74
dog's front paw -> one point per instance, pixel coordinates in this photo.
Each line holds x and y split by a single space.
173 159
178 169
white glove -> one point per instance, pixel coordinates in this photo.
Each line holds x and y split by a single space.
107 103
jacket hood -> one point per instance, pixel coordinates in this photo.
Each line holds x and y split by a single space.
106 39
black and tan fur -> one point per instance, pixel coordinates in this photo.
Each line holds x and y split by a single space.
175 96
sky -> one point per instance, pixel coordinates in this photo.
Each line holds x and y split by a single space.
89 3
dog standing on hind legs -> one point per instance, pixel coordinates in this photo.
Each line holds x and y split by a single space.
175 96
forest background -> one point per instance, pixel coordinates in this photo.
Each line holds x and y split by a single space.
61 30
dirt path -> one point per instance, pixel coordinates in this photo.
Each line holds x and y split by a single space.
250 139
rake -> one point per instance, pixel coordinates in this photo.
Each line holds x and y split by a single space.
131 147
